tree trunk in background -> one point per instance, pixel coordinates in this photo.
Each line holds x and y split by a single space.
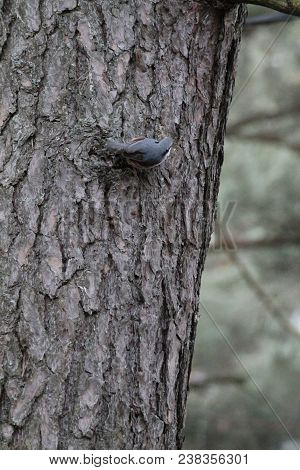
101 264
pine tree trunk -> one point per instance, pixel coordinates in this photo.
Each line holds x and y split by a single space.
100 263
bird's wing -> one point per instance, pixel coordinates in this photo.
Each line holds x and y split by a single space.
137 156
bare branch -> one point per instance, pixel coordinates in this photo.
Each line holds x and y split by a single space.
268 138
291 7
263 296
262 116
246 244
200 379
262 20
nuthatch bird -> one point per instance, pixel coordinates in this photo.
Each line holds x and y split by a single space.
142 152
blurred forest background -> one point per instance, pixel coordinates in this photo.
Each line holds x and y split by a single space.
245 381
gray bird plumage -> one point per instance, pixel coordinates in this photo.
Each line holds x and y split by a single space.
142 152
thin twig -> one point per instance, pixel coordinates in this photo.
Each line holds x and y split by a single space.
200 380
262 116
271 45
247 372
262 295
267 138
248 244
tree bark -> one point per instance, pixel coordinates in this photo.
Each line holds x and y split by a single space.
101 263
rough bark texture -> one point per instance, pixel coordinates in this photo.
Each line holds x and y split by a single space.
101 264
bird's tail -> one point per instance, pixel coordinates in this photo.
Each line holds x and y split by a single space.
114 146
